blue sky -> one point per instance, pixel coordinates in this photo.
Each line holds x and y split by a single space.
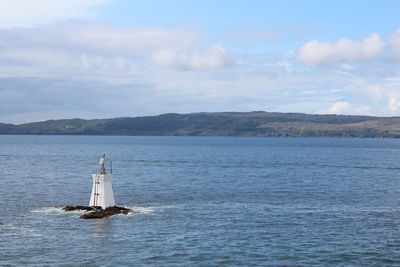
105 58
354 15
325 20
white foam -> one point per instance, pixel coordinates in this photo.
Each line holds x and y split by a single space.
136 210
146 210
46 210
13 230
7 226
140 210
54 210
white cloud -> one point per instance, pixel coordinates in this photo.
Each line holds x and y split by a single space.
24 117
394 103
28 13
72 45
344 50
345 108
131 41
35 56
340 108
395 41
379 98
214 57
109 64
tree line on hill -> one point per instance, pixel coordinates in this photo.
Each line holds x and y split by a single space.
256 123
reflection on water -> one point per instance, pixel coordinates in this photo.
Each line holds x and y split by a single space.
101 228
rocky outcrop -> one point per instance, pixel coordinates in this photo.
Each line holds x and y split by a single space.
98 212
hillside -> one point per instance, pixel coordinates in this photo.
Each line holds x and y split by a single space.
257 123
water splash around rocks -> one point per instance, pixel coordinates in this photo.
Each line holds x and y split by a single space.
98 212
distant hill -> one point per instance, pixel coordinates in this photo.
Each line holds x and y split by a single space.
257 123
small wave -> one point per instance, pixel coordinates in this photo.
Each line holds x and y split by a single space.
140 210
136 210
7 226
47 210
9 229
54 210
154 161
147 210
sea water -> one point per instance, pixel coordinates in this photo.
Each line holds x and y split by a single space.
209 201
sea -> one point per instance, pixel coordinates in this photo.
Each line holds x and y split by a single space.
202 201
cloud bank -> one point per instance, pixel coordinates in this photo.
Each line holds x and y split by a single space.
67 45
212 58
54 67
22 13
344 50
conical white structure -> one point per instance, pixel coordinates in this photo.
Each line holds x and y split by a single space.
102 192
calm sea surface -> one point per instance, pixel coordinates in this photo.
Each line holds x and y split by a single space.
209 201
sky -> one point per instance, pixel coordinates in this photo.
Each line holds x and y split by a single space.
118 58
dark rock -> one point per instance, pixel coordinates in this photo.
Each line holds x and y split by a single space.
98 212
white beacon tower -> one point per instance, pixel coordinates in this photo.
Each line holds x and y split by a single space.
102 192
